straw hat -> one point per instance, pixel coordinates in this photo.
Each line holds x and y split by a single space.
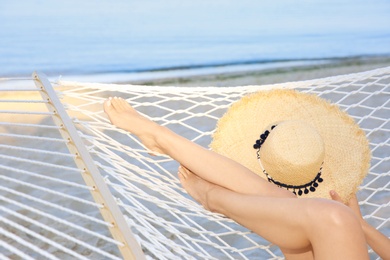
297 141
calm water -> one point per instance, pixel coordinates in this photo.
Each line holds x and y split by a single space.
77 37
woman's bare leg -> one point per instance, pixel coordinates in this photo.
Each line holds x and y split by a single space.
207 164
297 226
293 224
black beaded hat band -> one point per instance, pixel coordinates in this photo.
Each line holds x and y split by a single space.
311 133
296 189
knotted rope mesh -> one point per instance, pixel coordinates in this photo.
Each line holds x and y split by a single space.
167 223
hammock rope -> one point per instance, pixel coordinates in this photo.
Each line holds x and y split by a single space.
49 198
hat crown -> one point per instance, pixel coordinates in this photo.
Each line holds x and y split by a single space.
347 152
293 152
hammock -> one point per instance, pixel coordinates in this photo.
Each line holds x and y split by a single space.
74 186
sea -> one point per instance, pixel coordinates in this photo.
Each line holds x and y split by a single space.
91 37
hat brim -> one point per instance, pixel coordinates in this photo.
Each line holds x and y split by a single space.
347 153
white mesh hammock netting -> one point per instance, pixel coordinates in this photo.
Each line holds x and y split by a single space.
53 207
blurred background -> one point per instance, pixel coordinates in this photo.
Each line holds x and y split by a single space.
134 37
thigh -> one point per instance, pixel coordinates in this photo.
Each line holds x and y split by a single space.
282 221
296 225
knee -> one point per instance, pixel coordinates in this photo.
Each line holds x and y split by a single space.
335 216
342 216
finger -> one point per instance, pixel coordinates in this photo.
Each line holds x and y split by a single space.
335 196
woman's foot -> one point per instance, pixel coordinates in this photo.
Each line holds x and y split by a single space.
195 186
124 116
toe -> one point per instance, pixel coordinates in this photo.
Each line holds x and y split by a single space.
116 103
107 105
123 103
182 171
181 177
187 172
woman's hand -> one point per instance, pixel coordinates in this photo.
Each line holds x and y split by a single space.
376 240
352 203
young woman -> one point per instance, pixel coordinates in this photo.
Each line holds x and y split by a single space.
304 228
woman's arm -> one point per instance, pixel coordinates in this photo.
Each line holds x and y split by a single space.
375 239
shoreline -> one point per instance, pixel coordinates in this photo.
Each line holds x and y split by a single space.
230 75
240 74
281 74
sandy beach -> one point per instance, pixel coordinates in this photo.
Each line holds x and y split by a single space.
331 67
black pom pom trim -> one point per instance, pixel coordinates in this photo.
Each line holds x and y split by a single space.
263 137
302 189
308 187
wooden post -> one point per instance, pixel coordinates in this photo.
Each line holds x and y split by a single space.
90 173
